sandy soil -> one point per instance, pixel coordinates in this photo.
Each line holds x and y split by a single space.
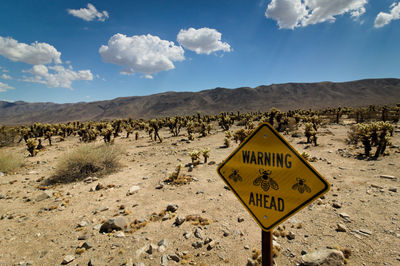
44 232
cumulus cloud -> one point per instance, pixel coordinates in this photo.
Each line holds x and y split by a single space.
5 76
5 87
90 13
383 18
35 53
290 14
202 41
56 76
145 54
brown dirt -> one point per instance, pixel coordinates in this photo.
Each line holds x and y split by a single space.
43 232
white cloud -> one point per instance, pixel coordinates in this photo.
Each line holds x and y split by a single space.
36 53
383 18
90 13
5 76
290 14
5 87
145 54
202 41
56 76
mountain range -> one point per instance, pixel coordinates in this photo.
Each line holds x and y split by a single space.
262 98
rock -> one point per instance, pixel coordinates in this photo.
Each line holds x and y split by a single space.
207 240
117 223
211 245
44 195
140 251
179 220
197 244
160 186
227 188
161 249
246 247
187 235
164 260
163 242
323 256
87 245
290 236
152 248
166 217
120 234
276 245
132 190
240 219
24 263
1 174
198 233
83 237
225 232
344 215
365 232
341 228
250 262
172 207
99 186
174 257
393 189
336 205
83 224
211 163
388 177
67 259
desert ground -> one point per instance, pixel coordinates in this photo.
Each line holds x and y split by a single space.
43 229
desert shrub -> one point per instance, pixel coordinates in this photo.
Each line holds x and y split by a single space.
376 134
10 161
7 136
206 154
86 160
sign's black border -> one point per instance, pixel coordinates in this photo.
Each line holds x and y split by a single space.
324 190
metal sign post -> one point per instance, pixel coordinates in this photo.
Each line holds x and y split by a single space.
266 248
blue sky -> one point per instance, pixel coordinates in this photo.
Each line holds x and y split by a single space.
70 51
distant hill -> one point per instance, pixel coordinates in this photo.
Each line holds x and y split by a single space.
262 98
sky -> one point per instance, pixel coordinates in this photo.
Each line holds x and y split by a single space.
67 51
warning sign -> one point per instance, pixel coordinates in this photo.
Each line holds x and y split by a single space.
270 178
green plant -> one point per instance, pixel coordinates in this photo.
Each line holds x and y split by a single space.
375 134
10 161
195 156
84 161
206 154
31 146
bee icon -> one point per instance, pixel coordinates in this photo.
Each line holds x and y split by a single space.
301 186
265 180
235 175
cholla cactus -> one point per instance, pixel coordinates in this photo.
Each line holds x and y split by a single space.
241 134
227 142
195 156
371 135
31 146
310 133
106 133
156 125
206 154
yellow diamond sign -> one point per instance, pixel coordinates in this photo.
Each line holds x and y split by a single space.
270 178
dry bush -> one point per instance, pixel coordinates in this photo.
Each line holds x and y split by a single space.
86 160
7 136
10 161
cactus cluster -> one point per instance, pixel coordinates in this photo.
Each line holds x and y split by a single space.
375 134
